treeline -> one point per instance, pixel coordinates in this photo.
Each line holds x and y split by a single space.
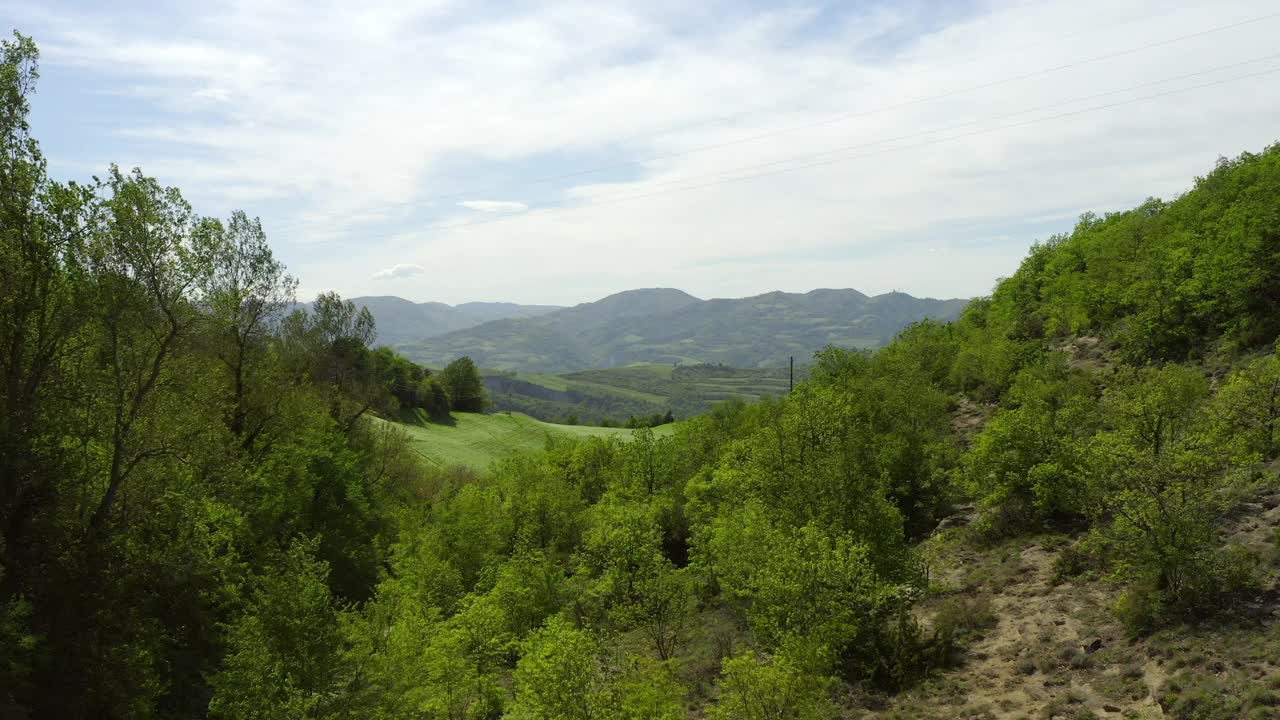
644 421
177 455
201 518
457 387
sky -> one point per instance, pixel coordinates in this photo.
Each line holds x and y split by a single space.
557 152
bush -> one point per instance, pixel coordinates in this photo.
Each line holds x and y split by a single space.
1139 608
1083 558
959 620
752 688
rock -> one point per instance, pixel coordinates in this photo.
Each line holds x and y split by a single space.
953 522
1111 708
1093 645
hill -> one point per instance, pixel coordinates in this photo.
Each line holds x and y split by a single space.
1065 504
670 326
475 440
640 390
401 321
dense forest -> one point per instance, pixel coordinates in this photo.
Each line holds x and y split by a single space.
202 517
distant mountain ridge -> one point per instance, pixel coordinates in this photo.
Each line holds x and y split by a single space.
666 325
402 321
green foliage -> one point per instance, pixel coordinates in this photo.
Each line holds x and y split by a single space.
1025 464
282 658
461 379
756 689
561 676
1247 407
206 508
1163 280
1197 695
1166 487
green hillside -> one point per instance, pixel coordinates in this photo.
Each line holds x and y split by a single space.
621 392
1063 505
476 440
667 326
401 320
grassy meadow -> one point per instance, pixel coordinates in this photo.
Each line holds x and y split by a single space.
476 439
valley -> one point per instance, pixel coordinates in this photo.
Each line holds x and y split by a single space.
477 440
1059 500
615 394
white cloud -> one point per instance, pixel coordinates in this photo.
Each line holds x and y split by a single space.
398 271
344 127
494 206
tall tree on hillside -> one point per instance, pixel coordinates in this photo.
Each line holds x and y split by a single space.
330 346
243 288
144 269
42 244
462 380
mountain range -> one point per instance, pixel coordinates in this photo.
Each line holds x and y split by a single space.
402 321
655 325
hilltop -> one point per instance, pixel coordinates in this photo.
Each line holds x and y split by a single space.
403 321
664 325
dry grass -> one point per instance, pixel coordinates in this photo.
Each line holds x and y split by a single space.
1057 652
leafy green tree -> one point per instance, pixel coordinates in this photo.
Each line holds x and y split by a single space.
1155 408
622 548
475 530
1247 406
143 267
1025 464
243 289
664 608
561 677
1165 487
284 658
649 691
461 378
755 689
545 510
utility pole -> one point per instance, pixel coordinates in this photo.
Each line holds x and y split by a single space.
791 385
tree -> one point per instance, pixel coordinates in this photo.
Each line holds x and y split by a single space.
284 655
755 689
243 288
1248 406
1155 408
560 676
43 309
330 347
462 380
1024 465
143 266
1161 481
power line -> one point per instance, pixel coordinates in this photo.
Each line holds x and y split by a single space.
852 114
626 198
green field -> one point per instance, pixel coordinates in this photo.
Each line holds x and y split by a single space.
640 390
476 439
